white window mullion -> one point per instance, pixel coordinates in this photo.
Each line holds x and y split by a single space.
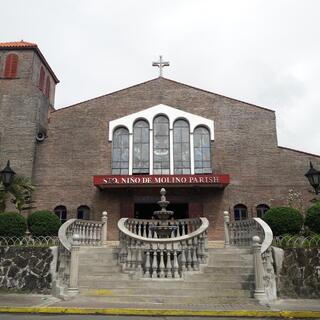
151 151
191 153
171 151
130 153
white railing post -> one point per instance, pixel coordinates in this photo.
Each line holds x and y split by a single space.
259 292
104 228
226 218
74 264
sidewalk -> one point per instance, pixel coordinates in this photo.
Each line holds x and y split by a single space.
37 303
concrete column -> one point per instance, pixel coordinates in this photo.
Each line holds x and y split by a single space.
171 151
226 218
259 292
104 231
130 152
74 264
191 153
151 151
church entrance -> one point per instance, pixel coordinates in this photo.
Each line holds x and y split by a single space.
145 210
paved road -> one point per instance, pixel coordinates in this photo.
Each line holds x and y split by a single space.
103 317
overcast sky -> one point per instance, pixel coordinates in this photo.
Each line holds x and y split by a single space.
263 52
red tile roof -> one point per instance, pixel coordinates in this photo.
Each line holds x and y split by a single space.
20 45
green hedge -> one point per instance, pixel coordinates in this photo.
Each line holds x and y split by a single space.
12 224
313 218
43 223
284 220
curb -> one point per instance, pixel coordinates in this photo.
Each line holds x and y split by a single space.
159 312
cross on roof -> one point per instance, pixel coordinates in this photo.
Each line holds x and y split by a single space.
161 64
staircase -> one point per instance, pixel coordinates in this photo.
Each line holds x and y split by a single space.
227 278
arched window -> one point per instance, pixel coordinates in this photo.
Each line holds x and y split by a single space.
140 147
181 147
41 78
11 67
120 151
83 212
240 212
202 152
61 212
161 147
47 92
261 210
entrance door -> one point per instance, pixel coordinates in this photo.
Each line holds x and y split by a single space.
145 210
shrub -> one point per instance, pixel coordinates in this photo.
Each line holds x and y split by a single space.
12 224
313 218
43 223
283 220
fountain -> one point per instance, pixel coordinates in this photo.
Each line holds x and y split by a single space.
163 229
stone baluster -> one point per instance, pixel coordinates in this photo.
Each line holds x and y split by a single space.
195 262
175 267
147 263
74 264
169 265
139 258
154 264
161 264
183 229
104 230
188 256
145 229
183 257
139 228
178 229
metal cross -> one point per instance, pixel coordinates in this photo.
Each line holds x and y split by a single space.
161 64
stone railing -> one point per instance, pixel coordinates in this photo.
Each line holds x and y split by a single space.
73 234
144 228
151 257
257 234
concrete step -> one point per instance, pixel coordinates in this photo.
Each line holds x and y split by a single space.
127 295
103 277
243 250
226 270
208 277
230 264
98 269
167 284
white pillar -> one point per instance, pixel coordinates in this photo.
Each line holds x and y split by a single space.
259 292
151 151
171 151
104 230
130 152
226 218
191 153
74 264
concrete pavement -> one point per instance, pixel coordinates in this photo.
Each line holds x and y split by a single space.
37 303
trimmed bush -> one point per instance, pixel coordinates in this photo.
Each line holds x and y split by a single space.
284 220
12 224
43 223
313 218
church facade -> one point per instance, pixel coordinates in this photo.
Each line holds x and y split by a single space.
211 153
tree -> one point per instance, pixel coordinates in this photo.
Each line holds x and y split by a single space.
20 191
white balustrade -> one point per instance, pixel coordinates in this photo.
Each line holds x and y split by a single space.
73 234
257 234
142 252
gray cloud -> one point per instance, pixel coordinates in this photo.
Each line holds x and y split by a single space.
263 52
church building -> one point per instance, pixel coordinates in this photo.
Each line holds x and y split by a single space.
114 152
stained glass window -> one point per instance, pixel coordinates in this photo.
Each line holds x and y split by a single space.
202 152
120 151
140 147
181 147
161 147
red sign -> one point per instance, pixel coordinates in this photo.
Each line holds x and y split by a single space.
213 180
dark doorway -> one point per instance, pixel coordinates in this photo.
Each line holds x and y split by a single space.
145 210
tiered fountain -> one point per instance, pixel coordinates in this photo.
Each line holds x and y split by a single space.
163 229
